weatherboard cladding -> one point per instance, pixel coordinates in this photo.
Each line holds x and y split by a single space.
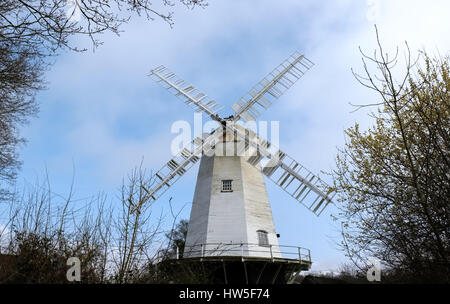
219 217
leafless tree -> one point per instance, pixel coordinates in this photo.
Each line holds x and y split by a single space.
31 33
20 78
137 235
42 229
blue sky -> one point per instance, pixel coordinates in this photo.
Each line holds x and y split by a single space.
102 115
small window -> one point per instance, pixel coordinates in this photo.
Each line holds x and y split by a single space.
227 186
263 240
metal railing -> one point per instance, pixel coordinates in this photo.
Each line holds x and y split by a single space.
243 250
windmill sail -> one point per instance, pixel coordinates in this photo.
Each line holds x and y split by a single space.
298 182
263 94
198 100
284 171
178 166
292 177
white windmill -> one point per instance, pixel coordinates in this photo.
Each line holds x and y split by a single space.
231 215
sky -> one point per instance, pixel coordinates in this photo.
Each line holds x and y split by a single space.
101 115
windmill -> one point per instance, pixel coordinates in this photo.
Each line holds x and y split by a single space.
231 218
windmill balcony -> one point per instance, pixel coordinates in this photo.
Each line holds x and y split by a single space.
245 251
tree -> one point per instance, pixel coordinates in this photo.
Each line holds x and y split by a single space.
135 233
44 229
393 179
177 239
20 78
31 33
114 245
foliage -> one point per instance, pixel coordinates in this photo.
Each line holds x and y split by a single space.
39 259
393 179
177 239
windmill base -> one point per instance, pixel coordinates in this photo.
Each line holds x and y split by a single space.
232 270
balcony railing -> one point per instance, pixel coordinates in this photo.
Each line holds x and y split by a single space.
243 250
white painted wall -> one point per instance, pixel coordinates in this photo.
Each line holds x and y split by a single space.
220 218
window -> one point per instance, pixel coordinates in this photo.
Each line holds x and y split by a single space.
226 185
262 238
